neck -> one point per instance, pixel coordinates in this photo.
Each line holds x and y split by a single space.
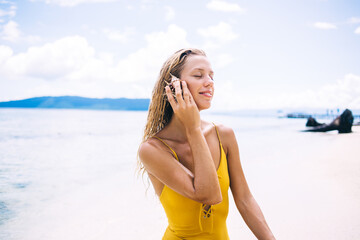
177 129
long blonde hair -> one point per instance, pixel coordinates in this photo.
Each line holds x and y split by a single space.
160 110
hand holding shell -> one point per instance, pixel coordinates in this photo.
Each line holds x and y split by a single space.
170 84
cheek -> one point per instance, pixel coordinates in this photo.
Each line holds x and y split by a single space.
192 91
190 86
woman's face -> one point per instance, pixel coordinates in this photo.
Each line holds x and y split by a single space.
199 75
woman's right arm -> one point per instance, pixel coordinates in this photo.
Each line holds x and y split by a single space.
203 185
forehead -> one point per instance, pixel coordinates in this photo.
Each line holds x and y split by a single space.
197 62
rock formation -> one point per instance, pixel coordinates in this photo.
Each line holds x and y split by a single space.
342 123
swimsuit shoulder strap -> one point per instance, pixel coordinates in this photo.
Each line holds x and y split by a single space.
168 147
217 132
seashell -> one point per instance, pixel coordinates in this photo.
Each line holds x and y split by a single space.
173 78
170 84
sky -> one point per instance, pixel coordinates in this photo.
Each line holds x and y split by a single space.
265 54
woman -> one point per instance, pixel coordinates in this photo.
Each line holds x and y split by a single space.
191 163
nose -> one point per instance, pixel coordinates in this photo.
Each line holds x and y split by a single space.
208 81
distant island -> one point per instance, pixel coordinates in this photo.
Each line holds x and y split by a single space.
74 102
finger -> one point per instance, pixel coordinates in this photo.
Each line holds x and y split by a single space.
186 92
186 89
170 97
178 93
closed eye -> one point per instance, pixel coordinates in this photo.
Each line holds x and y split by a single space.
200 76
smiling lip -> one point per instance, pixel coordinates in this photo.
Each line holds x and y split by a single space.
206 93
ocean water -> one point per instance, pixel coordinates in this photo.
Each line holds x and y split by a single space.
70 174
51 161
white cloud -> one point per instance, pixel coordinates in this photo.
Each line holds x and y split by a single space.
10 32
72 66
115 35
5 53
345 93
31 39
52 60
353 20
11 12
357 30
169 13
144 65
324 25
217 35
72 3
68 66
223 6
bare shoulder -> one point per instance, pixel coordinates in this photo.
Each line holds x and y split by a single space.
148 149
145 149
223 130
226 133
227 136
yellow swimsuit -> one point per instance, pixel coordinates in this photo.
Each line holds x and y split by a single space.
189 219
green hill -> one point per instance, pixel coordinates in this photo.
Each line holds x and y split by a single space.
74 102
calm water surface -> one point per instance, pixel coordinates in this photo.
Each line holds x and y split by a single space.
73 170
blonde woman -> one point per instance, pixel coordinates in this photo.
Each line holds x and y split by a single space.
192 163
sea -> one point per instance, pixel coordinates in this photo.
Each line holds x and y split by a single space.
71 174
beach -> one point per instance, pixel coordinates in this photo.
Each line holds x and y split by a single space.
70 174
308 193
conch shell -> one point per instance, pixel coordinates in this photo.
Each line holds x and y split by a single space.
170 84
173 78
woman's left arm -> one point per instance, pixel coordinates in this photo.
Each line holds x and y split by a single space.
245 202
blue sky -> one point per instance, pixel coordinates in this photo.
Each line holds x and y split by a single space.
266 54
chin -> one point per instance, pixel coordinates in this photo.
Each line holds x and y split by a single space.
203 106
